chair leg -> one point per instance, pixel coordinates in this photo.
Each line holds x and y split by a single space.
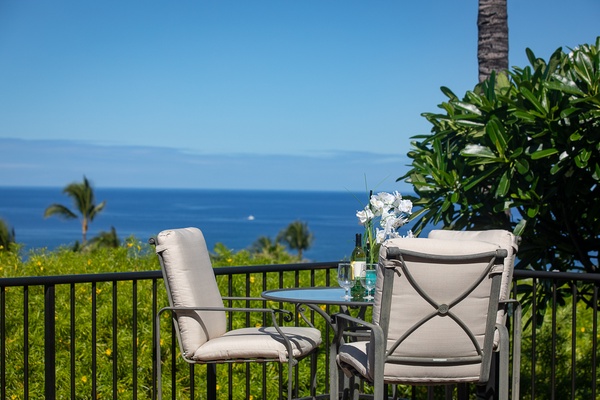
334 377
516 378
354 385
503 375
313 372
290 379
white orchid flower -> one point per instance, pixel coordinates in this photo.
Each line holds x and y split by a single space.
392 211
376 205
365 216
386 198
380 236
405 206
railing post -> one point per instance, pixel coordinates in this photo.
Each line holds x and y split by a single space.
211 381
50 342
2 343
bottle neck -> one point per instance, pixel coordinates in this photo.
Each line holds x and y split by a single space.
358 240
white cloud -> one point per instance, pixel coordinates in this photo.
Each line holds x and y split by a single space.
57 163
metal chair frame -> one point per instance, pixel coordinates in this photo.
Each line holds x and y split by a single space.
395 265
211 374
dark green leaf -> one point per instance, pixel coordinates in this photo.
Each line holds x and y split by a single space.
474 150
495 131
575 136
564 84
467 107
533 211
520 228
584 67
533 99
503 185
522 166
543 153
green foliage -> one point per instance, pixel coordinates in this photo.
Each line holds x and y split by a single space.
118 298
520 152
297 236
565 347
7 236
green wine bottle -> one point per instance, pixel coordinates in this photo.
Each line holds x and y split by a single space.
358 260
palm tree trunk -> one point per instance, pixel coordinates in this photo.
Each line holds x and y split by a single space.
84 229
492 43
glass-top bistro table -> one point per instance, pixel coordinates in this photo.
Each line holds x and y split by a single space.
314 297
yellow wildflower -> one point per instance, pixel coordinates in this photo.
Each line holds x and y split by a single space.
252 279
84 379
108 352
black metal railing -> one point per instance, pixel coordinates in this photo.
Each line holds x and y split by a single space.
562 362
97 334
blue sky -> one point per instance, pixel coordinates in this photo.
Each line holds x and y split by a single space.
242 94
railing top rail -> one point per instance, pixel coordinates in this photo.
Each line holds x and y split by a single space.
129 276
78 278
250 269
556 275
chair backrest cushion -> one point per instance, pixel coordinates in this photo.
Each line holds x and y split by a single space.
424 285
505 239
190 282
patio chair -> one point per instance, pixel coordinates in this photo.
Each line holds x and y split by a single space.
435 317
199 314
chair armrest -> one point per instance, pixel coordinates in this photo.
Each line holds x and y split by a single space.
341 327
349 318
235 298
288 315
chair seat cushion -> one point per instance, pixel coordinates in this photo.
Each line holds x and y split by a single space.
258 343
353 357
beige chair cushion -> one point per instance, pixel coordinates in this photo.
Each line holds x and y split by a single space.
257 343
188 272
505 240
191 282
355 356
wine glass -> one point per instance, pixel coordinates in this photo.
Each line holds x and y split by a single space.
368 278
345 277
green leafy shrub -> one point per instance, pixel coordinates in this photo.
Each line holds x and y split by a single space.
522 148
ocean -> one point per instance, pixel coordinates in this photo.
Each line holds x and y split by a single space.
235 218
